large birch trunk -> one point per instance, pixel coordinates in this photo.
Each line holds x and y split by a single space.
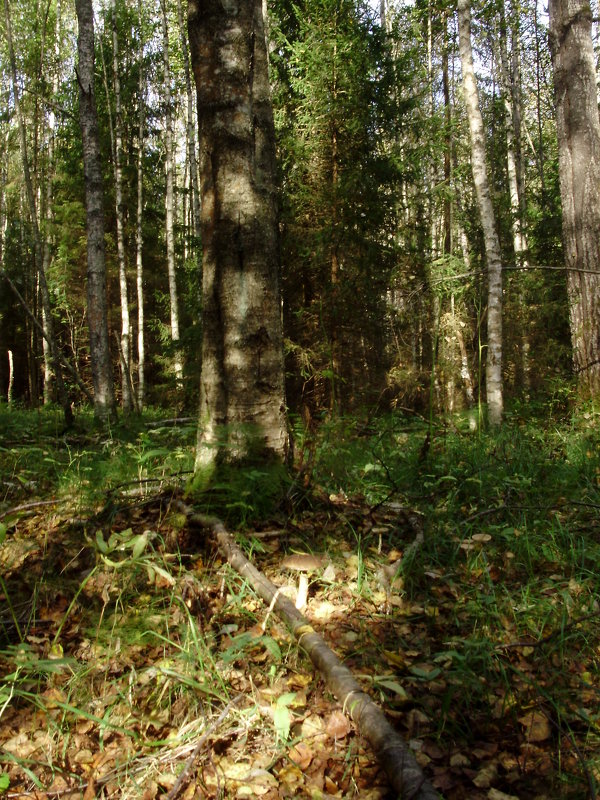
242 407
578 131
104 399
493 370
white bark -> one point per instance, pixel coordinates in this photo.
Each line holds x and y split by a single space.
139 220
493 372
126 393
170 197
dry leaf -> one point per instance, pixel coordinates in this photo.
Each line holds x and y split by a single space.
495 794
302 755
537 727
485 776
338 725
459 760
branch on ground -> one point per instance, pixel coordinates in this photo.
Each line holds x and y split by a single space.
404 773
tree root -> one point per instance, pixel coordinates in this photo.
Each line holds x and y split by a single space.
403 771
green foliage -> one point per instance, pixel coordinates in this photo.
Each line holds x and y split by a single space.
509 552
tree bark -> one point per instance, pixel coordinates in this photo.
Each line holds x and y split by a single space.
141 388
170 198
127 399
242 406
493 370
37 236
578 131
190 127
102 378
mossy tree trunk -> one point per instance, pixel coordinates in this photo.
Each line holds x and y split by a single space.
242 408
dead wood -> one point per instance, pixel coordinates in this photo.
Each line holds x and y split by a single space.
403 771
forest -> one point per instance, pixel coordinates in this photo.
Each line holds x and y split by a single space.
299 385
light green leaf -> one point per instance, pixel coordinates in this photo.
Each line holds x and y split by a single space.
100 543
282 720
139 544
424 674
393 686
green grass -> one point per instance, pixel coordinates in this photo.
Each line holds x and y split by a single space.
501 600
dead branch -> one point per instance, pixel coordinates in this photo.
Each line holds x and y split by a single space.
403 771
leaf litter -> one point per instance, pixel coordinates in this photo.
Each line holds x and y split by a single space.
135 663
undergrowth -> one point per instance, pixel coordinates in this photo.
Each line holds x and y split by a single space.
121 632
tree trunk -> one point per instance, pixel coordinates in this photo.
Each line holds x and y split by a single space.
190 128
493 370
104 400
242 406
37 237
139 220
127 399
578 131
170 198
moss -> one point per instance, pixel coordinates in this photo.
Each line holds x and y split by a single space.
240 492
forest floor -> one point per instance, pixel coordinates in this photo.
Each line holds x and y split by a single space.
460 586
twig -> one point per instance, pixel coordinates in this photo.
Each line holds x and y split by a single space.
27 506
184 774
170 423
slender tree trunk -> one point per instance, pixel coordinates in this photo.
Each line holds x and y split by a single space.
578 131
11 378
519 238
242 406
170 197
190 127
127 399
139 220
493 371
102 377
515 187
540 153
49 387
447 144
37 237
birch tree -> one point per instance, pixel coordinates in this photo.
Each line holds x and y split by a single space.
170 196
104 399
127 399
33 213
493 369
141 345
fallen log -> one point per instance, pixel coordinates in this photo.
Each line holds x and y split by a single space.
404 773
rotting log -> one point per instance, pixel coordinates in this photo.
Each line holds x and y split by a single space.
404 773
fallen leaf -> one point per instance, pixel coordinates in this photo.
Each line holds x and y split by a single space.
537 727
495 794
485 776
302 755
338 725
459 760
